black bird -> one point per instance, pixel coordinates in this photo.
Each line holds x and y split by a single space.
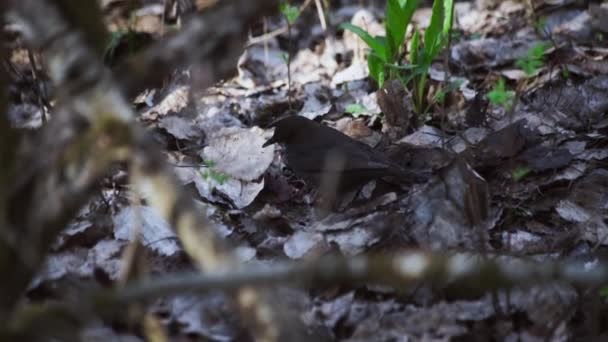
318 153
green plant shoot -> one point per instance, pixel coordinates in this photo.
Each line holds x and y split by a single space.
385 50
519 173
290 12
435 39
355 109
383 60
533 60
500 96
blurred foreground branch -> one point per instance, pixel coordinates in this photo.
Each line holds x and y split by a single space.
93 128
399 271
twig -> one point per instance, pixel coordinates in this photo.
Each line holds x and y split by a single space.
321 14
265 37
396 270
39 89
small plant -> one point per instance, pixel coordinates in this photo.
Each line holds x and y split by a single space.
500 96
533 60
216 176
475 36
290 13
440 95
540 24
599 36
355 109
435 39
122 39
209 173
603 292
114 40
386 50
519 173
383 60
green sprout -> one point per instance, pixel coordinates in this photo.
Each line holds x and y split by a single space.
599 36
604 292
285 57
210 174
386 50
435 39
384 59
475 36
218 177
290 12
440 95
113 42
519 173
356 109
540 25
533 60
209 163
500 96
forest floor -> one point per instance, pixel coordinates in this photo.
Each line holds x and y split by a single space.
534 182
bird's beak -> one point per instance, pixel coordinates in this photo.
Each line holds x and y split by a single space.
270 141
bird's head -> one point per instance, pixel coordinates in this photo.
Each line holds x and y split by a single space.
287 129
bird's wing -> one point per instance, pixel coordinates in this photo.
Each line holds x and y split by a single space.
335 160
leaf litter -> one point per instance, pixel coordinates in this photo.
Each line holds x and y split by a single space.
531 179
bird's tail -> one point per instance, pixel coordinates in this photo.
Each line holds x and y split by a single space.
404 176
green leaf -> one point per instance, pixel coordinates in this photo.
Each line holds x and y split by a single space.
113 42
285 57
500 96
414 43
432 35
402 66
448 6
475 36
453 85
398 15
376 68
537 51
375 43
211 174
540 24
604 292
599 36
355 109
534 59
439 96
455 35
436 35
529 66
291 13
219 177
420 86
520 173
208 162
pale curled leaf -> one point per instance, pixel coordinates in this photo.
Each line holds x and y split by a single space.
238 152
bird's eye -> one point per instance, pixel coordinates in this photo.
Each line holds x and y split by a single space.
287 172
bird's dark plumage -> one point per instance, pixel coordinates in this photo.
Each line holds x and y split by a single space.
315 150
